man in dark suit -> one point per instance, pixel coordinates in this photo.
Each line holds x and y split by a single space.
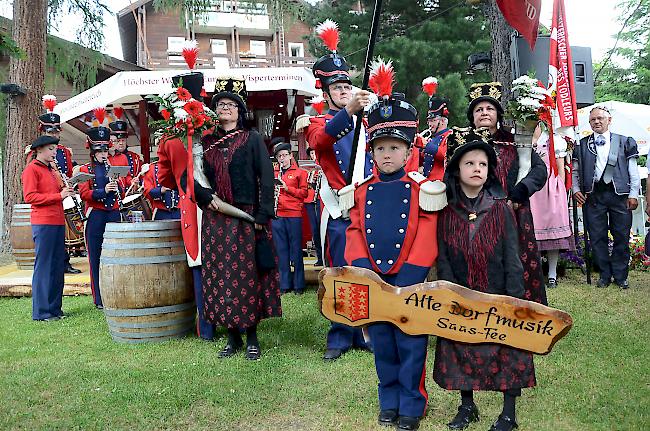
606 182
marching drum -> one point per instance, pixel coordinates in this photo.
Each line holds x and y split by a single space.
74 225
137 202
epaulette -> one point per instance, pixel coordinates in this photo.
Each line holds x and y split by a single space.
433 196
28 148
346 194
302 122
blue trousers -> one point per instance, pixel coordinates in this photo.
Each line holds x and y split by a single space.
95 227
167 215
48 278
607 211
340 336
313 212
287 236
400 362
204 329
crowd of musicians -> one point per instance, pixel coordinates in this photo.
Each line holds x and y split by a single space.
402 204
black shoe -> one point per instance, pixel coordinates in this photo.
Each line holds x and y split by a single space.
253 352
70 270
387 418
366 348
602 283
623 284
284 292
50 319
99 307
552 283
504 423
229 351
299 292
408 423
465 416
332 354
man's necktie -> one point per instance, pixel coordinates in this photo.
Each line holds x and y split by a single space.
600 140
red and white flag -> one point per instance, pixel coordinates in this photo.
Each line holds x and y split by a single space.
561 81
523 16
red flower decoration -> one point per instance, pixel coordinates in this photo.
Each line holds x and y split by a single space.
193 108
183 94
165 114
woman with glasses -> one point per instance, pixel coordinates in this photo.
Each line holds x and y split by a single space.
239 277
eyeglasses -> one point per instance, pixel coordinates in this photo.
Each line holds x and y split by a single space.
341 87
226 105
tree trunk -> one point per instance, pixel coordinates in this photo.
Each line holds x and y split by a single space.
502 36
29 31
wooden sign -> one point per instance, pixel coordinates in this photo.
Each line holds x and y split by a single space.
357 297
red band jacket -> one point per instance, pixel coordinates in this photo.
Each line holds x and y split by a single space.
42 190
291 198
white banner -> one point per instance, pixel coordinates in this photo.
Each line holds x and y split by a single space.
130 87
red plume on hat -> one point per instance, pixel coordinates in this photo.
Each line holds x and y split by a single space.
49 102
318 103
100 114
328 32
430 85
118 111
190 52
382 77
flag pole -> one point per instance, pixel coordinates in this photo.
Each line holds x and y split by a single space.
364 86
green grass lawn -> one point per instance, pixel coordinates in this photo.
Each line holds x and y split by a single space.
71 375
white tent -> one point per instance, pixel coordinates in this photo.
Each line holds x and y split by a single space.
130 87
628 119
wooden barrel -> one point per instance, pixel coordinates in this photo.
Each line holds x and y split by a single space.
22 241
145 283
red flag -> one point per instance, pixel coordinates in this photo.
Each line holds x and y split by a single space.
523 16
560 77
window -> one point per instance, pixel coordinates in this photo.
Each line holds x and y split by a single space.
296 50
258 47
175 44
218 46
580 72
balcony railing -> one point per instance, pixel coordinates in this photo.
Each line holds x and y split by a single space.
163 60
219 19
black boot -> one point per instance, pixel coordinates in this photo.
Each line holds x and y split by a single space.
235 344
387 418
408 423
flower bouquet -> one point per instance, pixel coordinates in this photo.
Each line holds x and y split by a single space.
182 115
532 103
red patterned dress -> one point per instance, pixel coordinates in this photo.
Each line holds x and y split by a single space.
237 294
480 254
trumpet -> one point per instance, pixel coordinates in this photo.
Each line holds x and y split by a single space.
276 194
314 181
113 180
77 204
426 134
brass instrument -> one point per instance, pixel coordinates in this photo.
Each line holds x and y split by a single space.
120 204
314 180
77 204
426 134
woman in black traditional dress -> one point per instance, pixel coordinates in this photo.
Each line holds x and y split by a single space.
238 292
485 111
477 248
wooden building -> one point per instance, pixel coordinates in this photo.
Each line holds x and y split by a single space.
232 34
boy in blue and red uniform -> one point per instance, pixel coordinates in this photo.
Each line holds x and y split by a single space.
393 233
287 227
432 150
331 137
102 201
164 200
122 156
42 189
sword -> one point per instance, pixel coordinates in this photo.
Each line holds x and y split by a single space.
366 77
